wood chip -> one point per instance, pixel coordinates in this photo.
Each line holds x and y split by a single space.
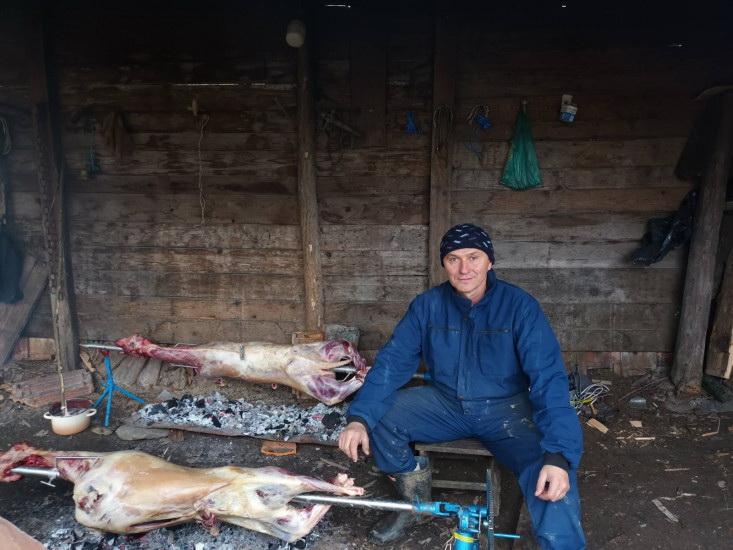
593 423
635 423
278 448
662 508
646 438
716 432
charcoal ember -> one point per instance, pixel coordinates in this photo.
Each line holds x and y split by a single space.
201 403
331 420
158 408
171 403
186 398
214 420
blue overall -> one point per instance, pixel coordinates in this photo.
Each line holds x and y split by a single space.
497 375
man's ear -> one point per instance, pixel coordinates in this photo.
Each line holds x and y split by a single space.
491 265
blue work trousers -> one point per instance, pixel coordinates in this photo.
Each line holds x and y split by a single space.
505 428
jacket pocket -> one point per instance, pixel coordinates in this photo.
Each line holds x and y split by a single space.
444 345
497 357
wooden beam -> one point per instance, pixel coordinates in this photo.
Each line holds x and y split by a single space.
444 92
307 198
719 359
52 196
690 346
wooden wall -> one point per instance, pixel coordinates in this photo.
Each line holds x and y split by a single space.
144 262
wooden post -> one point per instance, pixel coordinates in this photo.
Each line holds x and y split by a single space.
690 346
441 157
307 198
52 198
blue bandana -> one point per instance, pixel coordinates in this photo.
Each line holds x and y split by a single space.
466 235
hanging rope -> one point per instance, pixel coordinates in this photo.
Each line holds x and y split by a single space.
442 126
202 200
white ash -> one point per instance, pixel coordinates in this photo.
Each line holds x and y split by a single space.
256 419
69 535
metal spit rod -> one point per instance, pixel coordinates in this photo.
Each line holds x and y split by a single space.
29 471
357 502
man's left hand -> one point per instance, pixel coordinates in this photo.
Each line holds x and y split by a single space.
552 484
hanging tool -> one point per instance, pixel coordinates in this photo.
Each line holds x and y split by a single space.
472 520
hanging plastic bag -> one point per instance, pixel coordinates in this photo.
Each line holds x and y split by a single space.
522 171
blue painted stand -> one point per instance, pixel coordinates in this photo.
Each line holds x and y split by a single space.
109 389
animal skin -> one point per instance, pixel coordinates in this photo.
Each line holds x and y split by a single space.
305 367
130 492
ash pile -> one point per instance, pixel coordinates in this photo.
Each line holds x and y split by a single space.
241 417
69 535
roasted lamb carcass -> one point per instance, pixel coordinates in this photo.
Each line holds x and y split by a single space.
305 367
131 492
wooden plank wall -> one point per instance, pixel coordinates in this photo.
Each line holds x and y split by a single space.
143 261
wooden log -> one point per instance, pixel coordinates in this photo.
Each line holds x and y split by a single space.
14 317
129 370
719 358
52 194
441 152
44 390
173 377
687 369
307 198
148 377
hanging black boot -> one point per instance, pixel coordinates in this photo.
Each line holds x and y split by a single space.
410 486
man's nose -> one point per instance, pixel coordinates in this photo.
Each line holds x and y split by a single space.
464 266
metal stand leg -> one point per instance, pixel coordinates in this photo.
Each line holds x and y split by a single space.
109 389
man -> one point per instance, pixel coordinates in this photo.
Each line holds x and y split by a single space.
496 374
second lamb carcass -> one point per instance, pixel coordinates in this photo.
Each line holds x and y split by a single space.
305 367
129 492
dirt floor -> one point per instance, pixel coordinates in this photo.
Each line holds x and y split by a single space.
679 460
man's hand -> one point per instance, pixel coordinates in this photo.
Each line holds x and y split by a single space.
552 484
354 434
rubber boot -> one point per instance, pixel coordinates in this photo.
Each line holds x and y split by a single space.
410 486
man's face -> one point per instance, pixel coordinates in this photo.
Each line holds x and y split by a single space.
467 269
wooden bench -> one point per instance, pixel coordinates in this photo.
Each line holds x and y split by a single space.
461 448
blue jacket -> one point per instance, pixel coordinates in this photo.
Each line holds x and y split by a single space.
501 346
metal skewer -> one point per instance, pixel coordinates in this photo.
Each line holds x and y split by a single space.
356 502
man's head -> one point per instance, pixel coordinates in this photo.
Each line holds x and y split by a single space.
467 255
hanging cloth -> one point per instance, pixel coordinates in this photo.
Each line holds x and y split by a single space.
522 171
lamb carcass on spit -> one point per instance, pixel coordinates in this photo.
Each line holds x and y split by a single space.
305 367
129 492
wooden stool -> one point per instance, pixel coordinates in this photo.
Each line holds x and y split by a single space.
463 448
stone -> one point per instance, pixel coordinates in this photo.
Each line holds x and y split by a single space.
133 433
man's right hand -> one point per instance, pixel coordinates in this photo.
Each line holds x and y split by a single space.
354 434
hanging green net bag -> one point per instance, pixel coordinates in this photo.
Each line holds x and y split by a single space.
522 171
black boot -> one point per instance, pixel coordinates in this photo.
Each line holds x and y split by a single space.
410 486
